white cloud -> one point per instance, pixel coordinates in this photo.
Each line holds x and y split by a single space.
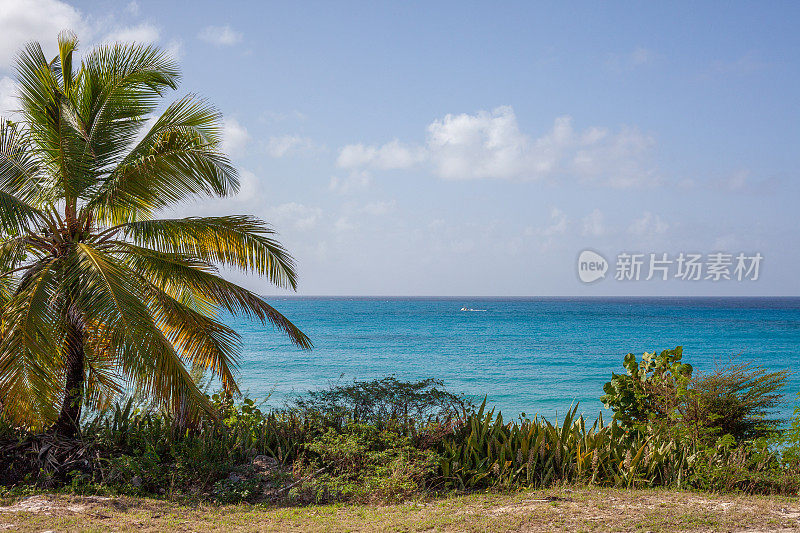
620 160
8 100
594 224
648 225
343 224
288 144
22 21
491 145
358 179
378 208
249 187
132 8
558 223
298 216
234 137
484 145
220 35
144 33
392 155
175 49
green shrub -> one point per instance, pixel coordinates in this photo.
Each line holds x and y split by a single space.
403 405
735 399
235 490
650 389
364 463
789 441
133 449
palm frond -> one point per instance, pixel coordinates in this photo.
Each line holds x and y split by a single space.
173 272
145 355
120 85
238 241
29 366
19 171
178 158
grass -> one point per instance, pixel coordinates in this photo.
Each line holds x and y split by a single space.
580 508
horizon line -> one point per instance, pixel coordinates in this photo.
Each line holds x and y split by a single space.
522 297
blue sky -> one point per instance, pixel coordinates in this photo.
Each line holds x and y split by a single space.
423 148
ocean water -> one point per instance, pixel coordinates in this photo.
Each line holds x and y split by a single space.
527 355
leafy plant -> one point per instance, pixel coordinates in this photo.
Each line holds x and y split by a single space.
364 463
405 405
649 389
735 399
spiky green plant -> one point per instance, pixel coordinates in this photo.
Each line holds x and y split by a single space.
98 294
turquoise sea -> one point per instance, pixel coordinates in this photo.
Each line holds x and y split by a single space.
531 355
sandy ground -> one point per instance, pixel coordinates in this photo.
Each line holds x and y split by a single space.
564 509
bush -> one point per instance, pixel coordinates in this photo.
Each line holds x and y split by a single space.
650 389
789 440
404 405
247 454
366 464
735 399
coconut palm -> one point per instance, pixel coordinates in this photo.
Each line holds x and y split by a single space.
101 296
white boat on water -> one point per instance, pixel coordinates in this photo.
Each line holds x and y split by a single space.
473 310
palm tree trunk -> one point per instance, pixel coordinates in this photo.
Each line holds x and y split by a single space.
67 423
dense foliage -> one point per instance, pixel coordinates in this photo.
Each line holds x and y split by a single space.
307 455
735 399
383 401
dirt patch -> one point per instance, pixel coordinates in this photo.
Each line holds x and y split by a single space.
58 505
575 509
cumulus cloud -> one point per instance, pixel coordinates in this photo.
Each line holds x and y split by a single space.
144 33
234 137
343 224
288 144
249 187
175 49
22 21
220 35
358 179
392 155
132 8
298 216
487 145
594 224
491 145
648 225
557 225
620 160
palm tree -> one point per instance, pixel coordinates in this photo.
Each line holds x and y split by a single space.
99 295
